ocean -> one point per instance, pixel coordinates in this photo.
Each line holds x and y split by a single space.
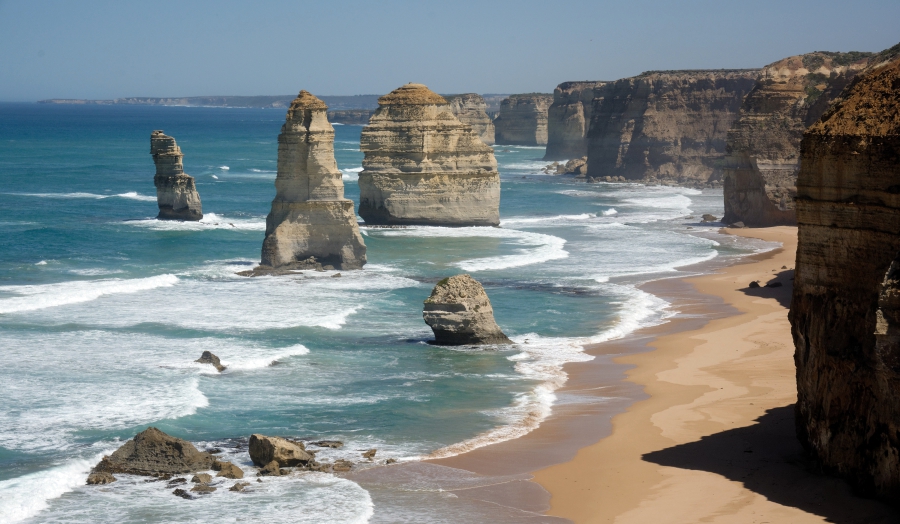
103 310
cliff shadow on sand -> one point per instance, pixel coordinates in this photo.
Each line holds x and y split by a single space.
767 459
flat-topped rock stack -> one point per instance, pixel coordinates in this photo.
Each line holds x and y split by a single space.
845 309
310 218
763 145
569 118
423 166
470 108
176 193
523 120
666 126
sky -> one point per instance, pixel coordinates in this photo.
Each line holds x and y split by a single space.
100 49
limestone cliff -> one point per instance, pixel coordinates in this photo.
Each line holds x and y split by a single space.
666 126
844 311
471 109
523 120
763 145
423 166
352 117
568 119
176 193
310 216
459 312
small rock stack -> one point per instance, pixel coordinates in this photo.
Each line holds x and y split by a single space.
310 217
523 120
423 166
176 193
460 313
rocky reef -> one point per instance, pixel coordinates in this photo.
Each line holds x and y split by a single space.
666 126
460 313
568 120
763 145
471 109
523 120
844 310
176 193
152 453
310 218
423 166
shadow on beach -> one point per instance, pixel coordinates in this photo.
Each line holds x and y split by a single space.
780 293
767 458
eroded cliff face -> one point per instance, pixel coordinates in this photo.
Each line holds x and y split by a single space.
763 145
666 126
523 120
844 309
310 216
176 193
423 166
471 109
568 120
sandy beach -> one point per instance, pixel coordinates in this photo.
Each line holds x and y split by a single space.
713 441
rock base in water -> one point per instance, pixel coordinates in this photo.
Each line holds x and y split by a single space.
460 313
209 358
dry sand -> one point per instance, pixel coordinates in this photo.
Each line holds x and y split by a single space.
714 442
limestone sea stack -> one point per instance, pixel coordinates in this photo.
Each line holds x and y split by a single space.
568 120
310 217
471 109
666 127
423 166
523 120
176 193
845 309
762 151
460 313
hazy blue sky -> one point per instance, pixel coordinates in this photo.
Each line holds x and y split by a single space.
118 48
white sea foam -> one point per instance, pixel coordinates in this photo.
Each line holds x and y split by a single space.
224 168
351 173
41 263
214 176
43 296
610 212
538 220
266 359
26 496
133 195
209 221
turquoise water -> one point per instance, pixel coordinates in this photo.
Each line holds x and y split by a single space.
103 310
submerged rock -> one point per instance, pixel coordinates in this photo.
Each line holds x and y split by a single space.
423 166
844 308
285 453
176 193
152 452
310 218
239 486
209 358
370 454
460 313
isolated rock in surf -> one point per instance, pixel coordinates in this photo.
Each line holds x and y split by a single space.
470 108
523 120
460 313
209 358
264 450
845 309
152 452
176 193
423 166
310 218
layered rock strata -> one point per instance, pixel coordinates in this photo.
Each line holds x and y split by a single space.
523 120
569 118
176 193
666 126
763 145
460 313
844 311
471 109
310 218
423 166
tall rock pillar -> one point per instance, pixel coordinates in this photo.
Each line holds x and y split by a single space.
176 194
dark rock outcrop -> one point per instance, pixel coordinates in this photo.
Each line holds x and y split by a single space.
152 452
471 109
523 120
460 313
569 118
310 216
763 145
209 358
98 478
666 126
176 193
283 452
423 166
227 470
844 313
